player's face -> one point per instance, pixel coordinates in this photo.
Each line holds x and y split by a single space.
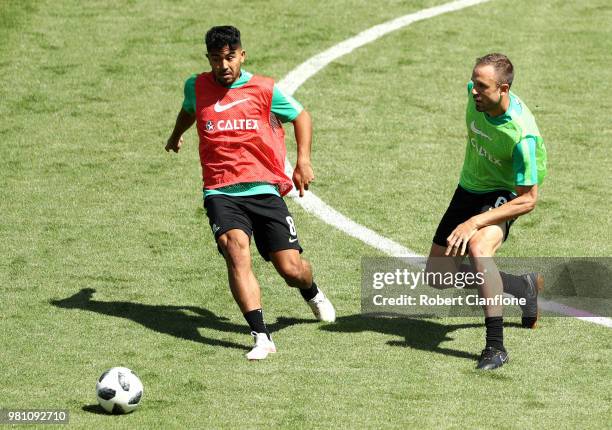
487 92
226 63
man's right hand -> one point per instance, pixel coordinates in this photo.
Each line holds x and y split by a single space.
174 144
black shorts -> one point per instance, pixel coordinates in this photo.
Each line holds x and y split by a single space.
265 216
465 205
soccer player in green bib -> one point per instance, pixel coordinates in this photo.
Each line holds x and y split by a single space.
505 161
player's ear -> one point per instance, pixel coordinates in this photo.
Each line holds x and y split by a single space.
242 56
504 89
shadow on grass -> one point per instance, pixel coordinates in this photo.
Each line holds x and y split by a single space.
95 409
417 333
179 321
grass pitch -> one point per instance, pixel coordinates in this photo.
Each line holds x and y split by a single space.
107 258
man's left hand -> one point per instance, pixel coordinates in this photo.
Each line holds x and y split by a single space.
460 237
303 175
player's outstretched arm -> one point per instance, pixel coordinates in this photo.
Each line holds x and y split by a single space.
524 203
184 121
303 174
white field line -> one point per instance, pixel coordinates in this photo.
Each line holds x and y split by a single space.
310 67
311 203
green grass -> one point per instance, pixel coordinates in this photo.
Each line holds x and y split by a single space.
91 201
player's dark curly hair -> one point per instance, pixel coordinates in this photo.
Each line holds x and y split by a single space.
503 67
224 35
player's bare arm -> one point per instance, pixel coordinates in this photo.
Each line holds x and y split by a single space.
184 121
303 174
524 203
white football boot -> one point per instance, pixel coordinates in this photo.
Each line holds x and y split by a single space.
322 308
263 347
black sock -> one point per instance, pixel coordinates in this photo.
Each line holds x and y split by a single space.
495 332
255 320
309 293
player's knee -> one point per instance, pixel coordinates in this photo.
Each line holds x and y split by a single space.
292 270
479 247
235 249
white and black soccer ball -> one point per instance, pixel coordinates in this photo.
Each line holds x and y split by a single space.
119 390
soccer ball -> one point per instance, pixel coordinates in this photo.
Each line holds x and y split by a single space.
119 390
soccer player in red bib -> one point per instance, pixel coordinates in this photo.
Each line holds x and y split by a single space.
239 119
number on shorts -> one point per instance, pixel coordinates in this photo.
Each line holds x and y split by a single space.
500 201
291 224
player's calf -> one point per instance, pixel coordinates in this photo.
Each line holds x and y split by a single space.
298 273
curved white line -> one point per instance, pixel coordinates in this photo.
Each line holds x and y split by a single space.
310 67
313 204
